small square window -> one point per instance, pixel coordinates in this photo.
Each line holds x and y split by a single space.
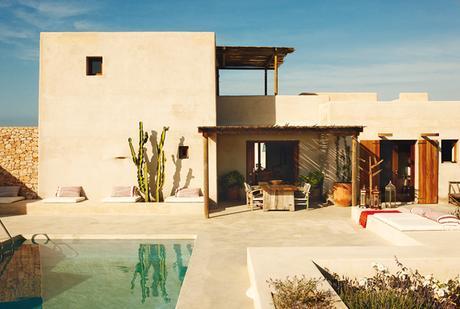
183 152
449 150
93 65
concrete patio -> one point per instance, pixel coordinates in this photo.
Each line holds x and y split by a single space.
217 276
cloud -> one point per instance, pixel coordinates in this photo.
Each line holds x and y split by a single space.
24 19
84 25
9 35
56 9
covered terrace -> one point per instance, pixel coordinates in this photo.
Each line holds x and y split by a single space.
235 149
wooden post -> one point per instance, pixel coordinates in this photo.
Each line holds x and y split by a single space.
217 82
275 76
265 81
354 171
206 175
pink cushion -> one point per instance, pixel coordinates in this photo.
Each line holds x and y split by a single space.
68 192
126 191
188 192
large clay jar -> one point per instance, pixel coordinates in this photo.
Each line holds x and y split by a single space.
342 194
234 193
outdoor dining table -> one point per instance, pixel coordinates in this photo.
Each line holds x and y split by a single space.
278 197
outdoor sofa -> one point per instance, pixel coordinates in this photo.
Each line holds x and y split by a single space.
10 194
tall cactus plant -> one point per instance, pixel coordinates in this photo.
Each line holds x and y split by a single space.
161 159
140 162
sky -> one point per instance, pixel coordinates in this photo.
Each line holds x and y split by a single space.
386 47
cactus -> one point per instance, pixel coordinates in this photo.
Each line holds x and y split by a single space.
140 162
161 159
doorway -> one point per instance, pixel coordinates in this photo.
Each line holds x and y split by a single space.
398 167
270 160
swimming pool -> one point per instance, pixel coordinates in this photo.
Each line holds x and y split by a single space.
96 274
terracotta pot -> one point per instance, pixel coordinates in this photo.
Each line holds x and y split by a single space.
342 194
233 194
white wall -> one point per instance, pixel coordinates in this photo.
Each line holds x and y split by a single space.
163 79
405 118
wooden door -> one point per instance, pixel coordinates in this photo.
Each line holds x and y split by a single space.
368 149
428 157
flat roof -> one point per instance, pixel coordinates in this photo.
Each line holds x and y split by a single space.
250 57
348 130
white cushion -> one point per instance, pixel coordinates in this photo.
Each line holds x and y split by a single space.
69 199
175 199
121 199
410 222
12 199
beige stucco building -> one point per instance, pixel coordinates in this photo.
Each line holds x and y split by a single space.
171 79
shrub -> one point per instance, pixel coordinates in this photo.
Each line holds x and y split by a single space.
404 289
300 293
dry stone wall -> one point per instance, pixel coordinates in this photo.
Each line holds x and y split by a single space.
19 159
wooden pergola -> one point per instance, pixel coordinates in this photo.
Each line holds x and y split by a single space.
251 58
352 131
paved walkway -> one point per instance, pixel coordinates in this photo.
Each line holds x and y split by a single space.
217 275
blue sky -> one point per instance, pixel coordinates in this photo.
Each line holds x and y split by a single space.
381 46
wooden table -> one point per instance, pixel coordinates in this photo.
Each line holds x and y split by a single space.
278 197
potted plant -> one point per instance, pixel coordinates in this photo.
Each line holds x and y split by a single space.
315 179
341 191
231 185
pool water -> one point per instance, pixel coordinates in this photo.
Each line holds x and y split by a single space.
97 274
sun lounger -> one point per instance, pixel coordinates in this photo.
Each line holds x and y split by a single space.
65 200
121 199
176 199
123 194
11 199
66 195
186 195
411 222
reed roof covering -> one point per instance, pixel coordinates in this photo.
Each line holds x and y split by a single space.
250 57
345 130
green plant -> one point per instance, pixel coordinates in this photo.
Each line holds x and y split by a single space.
404 289
314 178
343 160
161 160
232 179
143 177
300 293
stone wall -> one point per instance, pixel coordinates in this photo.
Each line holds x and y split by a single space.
19 159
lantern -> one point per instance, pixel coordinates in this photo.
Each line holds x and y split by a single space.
390 195
375 203
363 197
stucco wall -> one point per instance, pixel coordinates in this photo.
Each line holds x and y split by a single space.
406 117
163 79
19 159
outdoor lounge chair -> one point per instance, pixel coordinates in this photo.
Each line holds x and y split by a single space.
66 195
186 195
454 192
123 194
10 194
254 196
303 199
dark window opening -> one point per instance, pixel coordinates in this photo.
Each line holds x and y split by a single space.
183 152
449 150
93 65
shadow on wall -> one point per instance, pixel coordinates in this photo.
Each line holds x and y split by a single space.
320 154
248 110
178 169
7 179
